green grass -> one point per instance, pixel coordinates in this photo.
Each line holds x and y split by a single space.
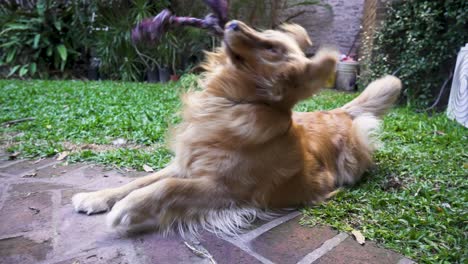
89 112
414 201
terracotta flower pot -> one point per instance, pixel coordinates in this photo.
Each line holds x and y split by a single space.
175 77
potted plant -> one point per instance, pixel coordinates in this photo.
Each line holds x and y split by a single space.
175 48
164 55
159 59
152 74
120 59
152 66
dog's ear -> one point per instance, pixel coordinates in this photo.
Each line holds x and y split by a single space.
298 33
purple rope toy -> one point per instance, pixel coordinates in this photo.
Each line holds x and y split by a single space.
152 29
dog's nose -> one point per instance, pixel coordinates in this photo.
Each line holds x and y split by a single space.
233 26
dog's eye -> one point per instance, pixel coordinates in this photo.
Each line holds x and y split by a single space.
271 48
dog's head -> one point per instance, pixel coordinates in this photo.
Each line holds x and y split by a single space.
276 61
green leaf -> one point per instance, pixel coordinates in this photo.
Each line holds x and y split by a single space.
13 70
62 66
49 51
23 70
33 68
306 3
36 41
58 25
62 50
10 56
40 7
9 44
15 26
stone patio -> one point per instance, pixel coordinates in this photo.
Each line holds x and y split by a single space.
38 225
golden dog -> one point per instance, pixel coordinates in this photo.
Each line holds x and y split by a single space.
241 151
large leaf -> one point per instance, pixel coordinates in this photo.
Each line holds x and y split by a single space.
62 50
58 25
23 70
11 56
32 68
36 41
8 44
62 66
306 3
13 70
49 51
40 7
16 26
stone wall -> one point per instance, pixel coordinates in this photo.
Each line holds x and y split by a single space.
336 26
335 23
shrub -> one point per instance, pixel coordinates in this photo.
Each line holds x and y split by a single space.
114 21
420 39
120 59
49 38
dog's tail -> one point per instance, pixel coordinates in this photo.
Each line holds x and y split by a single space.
378 97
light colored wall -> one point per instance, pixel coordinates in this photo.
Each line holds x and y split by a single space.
337 27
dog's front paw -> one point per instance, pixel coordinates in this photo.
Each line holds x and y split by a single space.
91 203
129 215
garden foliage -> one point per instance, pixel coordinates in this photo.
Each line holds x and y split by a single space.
54 38
420 40
61 38
47 38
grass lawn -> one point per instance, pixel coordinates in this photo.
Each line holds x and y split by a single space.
414 201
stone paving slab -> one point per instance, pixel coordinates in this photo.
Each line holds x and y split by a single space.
26 212
38 225
301 241
22 168
350 252
20 249
151 248
224 252
57 170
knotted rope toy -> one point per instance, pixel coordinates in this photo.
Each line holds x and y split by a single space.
152 29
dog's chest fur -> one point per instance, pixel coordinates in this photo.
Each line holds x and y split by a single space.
230 145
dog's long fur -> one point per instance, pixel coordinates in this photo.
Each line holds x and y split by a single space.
240 151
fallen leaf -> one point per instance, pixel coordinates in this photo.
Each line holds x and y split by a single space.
359 237
147 168
35 210
30 174
63 155
119 142
446 205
